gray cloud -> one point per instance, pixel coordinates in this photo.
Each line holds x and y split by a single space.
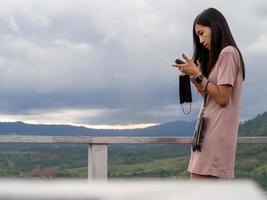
113 58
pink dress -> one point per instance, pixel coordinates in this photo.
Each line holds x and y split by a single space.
217 156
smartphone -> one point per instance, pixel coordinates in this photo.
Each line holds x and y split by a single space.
179 61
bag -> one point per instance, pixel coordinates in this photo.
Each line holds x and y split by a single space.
200 126
199 133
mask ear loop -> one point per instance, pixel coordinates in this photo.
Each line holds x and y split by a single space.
186 113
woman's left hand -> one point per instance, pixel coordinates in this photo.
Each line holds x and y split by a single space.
189 68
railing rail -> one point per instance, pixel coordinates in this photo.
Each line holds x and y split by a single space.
98 146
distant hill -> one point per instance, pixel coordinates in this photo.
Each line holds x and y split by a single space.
253 127
177 128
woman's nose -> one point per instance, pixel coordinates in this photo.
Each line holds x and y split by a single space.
201 40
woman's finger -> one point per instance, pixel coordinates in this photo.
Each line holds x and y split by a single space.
185 57
179 67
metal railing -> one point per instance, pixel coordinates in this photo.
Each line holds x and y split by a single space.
98 146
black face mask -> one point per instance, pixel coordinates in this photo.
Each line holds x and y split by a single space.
185 91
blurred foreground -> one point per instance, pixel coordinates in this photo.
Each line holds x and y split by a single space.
129 190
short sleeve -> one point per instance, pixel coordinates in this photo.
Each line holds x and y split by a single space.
227 68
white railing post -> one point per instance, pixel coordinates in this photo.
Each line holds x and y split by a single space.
97 161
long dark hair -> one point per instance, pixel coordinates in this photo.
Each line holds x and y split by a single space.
221 37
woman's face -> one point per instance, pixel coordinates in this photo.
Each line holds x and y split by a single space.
204 34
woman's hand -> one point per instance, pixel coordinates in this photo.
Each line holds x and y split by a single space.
189 68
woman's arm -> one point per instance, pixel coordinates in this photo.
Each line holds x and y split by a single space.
220 93
197 86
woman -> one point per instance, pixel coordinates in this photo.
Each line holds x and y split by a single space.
218 65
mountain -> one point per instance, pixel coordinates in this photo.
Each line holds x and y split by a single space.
20 128
256 126
177 128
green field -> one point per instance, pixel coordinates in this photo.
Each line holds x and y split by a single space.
125 161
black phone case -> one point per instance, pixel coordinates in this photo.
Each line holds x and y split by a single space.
179 61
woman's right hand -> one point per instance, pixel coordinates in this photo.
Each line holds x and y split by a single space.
199 69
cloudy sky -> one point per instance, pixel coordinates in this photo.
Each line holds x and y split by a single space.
107 63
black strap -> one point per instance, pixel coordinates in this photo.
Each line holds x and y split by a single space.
206 93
